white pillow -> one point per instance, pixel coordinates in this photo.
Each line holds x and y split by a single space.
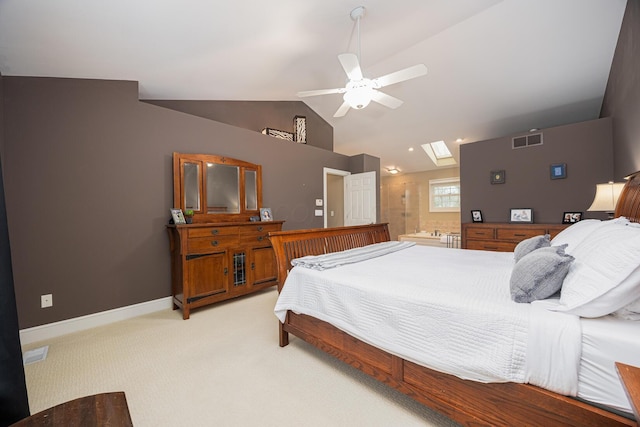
575 233
606 273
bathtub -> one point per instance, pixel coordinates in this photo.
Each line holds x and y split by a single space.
448 240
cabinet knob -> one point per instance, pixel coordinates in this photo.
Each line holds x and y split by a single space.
260 228
214 231
260 238
214 243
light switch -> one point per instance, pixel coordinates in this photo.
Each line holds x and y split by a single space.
318 212
318 202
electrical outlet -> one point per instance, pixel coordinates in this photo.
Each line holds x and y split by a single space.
46 300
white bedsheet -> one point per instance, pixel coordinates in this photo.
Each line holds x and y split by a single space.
448 310
607 340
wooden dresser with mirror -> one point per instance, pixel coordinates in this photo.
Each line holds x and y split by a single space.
222 254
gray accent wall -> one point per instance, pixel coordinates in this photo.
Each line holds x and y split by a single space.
257 115
622 98
88 182
586 148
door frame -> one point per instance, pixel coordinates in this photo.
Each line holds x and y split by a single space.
329 171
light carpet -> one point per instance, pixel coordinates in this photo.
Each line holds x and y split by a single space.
222 367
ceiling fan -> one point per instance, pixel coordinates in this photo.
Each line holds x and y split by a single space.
360 91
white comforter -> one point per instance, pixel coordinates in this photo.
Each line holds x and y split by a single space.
448 309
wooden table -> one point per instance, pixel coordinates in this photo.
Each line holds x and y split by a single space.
105 409
630 376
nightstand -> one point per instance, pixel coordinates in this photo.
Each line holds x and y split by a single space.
630 377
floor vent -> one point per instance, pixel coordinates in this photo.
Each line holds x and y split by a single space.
527 140
35 355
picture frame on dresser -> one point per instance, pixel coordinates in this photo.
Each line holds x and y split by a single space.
476 216
177 216
521 215
265 214
571 217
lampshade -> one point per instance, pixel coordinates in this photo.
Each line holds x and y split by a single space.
359 97
606 197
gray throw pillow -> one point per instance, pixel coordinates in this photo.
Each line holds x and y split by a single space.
539 274
531 244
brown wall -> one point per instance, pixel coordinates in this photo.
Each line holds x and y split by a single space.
622 98
88 183
257 115
585 147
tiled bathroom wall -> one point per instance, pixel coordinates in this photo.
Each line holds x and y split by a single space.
404 204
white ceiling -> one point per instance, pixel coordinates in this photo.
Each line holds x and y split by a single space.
496 67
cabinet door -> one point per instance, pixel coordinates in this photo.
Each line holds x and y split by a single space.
207 275
263 265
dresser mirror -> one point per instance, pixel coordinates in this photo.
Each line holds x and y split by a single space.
216 188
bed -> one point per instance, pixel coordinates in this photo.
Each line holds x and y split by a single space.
492 400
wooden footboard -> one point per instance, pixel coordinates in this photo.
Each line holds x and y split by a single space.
467 402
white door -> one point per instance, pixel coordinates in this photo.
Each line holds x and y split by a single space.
360 198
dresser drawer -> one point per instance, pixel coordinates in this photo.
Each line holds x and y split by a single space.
210 244
212 231
491 245
480 233
256 240
518 234
260 228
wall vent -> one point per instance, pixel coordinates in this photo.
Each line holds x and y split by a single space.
527 140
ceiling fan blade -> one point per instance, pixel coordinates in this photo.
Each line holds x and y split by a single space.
386 100
400 76
349 62
342 110
320 92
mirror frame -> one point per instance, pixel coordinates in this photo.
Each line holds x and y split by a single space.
201 216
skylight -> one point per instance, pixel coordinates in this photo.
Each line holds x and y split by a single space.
439 153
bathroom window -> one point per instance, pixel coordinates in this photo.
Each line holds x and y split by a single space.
444 195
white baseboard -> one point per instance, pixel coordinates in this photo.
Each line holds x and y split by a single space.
52 330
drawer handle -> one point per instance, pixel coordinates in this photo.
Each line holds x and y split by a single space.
520 235
260 228
214 232
214 243
260 238
491 247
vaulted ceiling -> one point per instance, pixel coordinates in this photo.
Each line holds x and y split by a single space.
496 67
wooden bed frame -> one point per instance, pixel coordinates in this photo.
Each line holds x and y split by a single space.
467 402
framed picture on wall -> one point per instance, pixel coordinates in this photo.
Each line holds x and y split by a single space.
498 177
558 171
521 215
571 217
476 216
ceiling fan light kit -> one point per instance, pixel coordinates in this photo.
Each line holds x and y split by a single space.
360 91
